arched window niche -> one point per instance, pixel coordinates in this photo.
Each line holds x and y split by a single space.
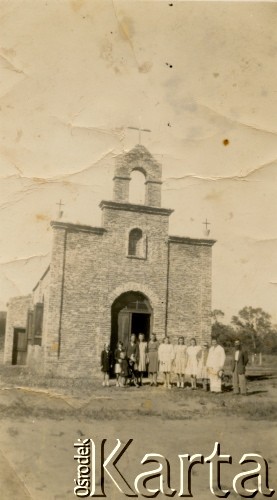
137 244
137 187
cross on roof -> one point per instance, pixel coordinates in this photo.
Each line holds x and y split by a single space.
60 212
140 130
206 223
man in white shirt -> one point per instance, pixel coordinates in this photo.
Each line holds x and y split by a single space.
215 364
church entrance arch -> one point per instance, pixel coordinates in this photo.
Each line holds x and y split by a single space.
131 313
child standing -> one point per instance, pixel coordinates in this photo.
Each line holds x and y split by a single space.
117 366
132 357
180 361
166 356
124 369
132 371
106 364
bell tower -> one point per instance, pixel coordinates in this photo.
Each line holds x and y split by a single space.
139 159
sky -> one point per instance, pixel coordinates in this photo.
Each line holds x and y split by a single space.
200 75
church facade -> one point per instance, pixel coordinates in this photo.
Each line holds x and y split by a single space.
104 283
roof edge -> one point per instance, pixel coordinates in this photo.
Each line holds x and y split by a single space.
130 207
185 240
77 227
43 276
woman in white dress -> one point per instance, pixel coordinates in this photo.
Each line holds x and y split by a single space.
193 352
180 361
142 357
166 356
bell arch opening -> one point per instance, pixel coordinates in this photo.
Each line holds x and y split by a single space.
137 187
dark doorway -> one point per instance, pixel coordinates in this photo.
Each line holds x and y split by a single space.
19 354
131 313
141 324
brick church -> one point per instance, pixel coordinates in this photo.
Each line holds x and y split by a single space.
129 275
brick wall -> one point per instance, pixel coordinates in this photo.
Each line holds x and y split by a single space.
74 302
153 193
121 188
189 297
123 272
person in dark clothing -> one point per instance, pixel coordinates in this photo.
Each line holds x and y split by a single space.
106 364
239 362
133 357
132 371
124 374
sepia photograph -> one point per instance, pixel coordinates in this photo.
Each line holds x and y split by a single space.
138 272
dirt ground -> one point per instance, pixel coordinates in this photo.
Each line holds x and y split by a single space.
39 426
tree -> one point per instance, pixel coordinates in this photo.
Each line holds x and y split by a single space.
225 334
252 324
270 342
216 314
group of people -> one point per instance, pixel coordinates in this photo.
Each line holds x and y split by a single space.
199 363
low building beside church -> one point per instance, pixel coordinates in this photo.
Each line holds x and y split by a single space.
104 283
